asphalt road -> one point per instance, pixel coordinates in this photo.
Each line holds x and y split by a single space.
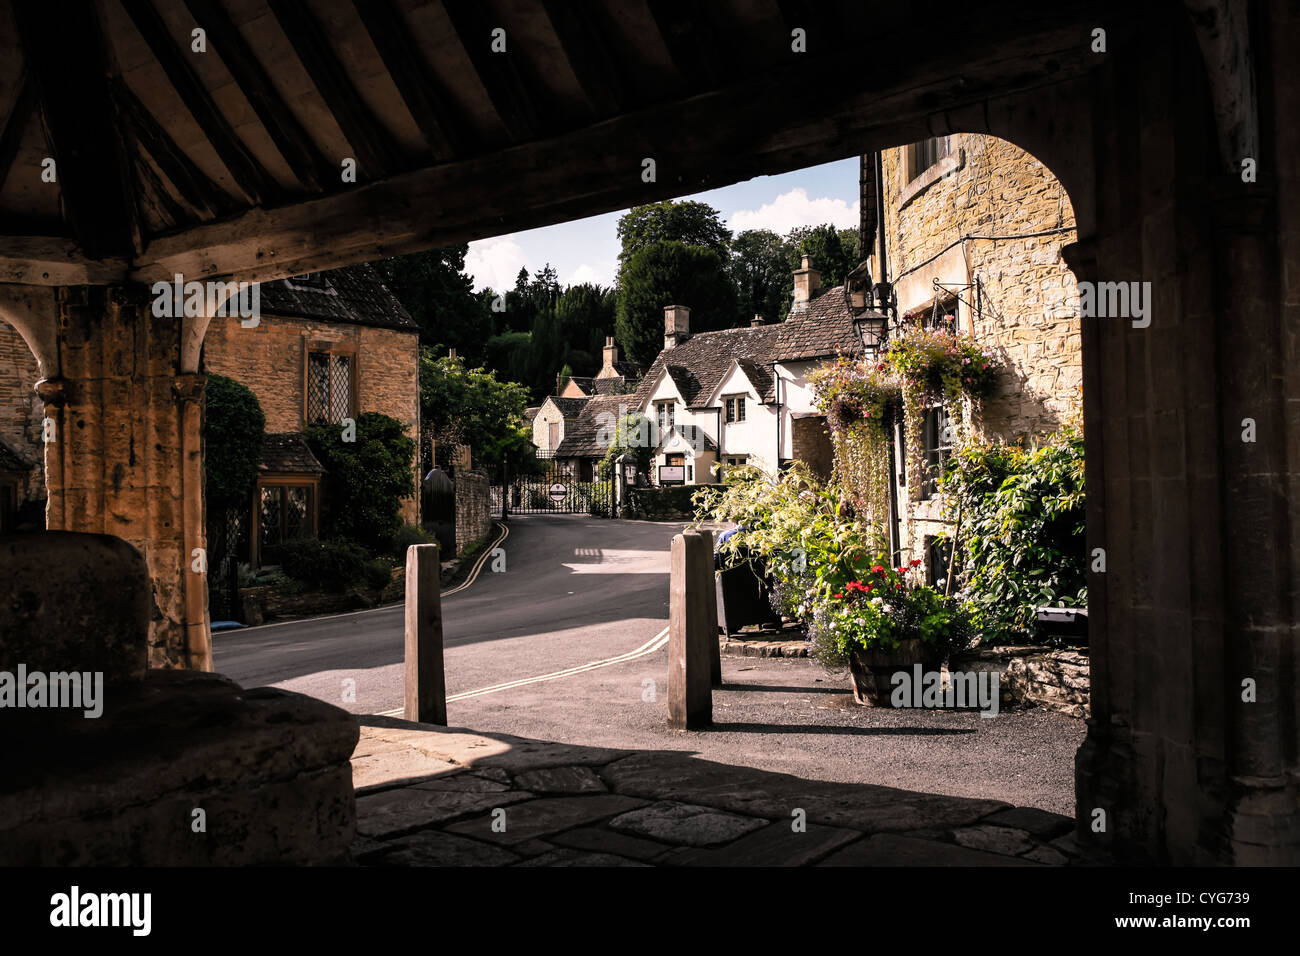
574 589
580 591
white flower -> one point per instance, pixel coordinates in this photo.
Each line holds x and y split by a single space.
888 609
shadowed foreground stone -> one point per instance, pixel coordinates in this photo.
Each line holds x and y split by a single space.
269 768
45 630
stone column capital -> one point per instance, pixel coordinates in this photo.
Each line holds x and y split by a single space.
189 386
53 392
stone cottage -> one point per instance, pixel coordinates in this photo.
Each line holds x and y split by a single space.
328 346
974 228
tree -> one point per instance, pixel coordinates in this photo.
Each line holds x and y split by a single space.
366 479
668 273
439 294
759 266
234 429
472 407
691 223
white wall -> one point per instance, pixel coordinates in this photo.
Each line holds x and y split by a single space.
756 435
541 432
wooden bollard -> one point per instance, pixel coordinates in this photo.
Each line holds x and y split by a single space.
711 586
692 628
426 685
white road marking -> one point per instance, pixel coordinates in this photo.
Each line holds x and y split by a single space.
649 647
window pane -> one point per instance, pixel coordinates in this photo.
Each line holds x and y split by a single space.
318 387
341 389
297 521
270 517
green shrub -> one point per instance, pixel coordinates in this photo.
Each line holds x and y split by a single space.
378 573
663 502
366 479
234 426
407 535
323 565
1021 539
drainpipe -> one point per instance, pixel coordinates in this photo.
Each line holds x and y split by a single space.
882 268
776 397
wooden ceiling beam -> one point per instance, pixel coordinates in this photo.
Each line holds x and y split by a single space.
751 128
444 132
699 54
376 151
11 136
300 152
252 179
577 28
497 72
66 62
206 199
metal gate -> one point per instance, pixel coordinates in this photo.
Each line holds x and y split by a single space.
553 489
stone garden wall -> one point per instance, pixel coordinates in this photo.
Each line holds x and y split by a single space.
1057 679
473 509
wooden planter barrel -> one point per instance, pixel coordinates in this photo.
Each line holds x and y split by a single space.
872 671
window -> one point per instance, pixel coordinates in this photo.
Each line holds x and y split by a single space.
735 408
329 387
285 514
938 446
942 314
921 156
938 554
666 415
735 460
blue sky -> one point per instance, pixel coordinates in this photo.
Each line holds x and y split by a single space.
586 250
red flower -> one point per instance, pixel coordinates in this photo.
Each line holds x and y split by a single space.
914 563
839 597
878 569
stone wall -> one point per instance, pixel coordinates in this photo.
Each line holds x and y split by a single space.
810 443
271 359
20 409
473 509
1056 679
989 210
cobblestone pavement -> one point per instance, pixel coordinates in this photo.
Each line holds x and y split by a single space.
433 796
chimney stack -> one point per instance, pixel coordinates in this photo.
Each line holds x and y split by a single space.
807 280
451 353
756 321
677 325
611 356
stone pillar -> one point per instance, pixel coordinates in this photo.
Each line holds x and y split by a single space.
692 628
126 453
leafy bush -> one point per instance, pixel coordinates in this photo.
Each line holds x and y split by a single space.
1021 537
661 502
365 480
233 431
407 535
320 564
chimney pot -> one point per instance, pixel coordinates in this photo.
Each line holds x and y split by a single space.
757 320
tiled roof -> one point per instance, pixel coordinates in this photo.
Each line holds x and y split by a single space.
353 294
580 435
585 383
13 458
823 329
698 364
628 370
569 407
531 413
288 452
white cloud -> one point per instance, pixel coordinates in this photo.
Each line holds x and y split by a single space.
795 209
494 263
602 274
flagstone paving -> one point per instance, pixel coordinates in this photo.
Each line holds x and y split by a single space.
436 796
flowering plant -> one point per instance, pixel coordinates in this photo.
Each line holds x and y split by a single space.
941 364
883 607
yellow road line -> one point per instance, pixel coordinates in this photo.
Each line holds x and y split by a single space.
478 565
